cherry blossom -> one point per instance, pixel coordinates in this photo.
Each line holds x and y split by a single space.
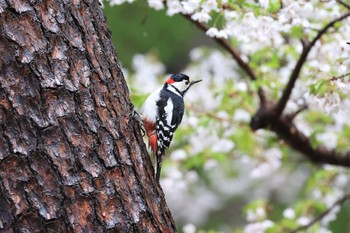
215 140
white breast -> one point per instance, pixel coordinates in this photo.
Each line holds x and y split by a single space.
150 106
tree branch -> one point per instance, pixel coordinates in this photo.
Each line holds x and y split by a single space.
322 215
343 4
287 131
296 72
269 114
224 44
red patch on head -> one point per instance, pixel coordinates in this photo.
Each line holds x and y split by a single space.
151 134
170 81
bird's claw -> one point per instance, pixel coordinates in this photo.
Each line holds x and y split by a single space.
135 115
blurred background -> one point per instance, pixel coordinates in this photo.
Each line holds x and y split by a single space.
138 29
218 175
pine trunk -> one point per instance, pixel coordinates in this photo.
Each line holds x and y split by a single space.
72 158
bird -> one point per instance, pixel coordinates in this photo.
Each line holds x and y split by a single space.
162 113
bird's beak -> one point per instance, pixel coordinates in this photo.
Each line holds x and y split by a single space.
194 82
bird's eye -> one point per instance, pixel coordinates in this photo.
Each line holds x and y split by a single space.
187 82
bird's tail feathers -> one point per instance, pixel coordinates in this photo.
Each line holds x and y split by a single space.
158 166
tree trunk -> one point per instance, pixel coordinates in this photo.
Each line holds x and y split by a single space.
72 158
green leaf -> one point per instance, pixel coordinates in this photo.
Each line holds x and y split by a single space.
274 6
316 117
297 31
244 140
274 62
343 138
319 87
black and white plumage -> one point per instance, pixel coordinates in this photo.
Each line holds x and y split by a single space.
162 113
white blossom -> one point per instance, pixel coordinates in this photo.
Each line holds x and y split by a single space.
223 145
264 3
196 54
189 228
303 220
331 197
258 227
191 176
156 4
241 86
230 15
209 5
271 161
241 116
147 69
341 180
210 163
174 7
201 16
323 230
178 155
328 139
289 213
316 193
190 6
331 216
116 2
257 215
214 32
191 205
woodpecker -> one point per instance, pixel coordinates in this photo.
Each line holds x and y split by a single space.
162 113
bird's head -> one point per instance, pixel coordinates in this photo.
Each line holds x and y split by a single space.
180 82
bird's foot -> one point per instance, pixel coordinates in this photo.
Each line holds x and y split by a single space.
136 116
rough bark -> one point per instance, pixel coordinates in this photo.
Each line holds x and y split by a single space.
71 155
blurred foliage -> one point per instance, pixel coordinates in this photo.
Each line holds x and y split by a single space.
136 28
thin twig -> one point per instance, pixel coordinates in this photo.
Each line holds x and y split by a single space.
301 109
223 43
234 53
344 4
322 215
296 71
338 1
339 77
